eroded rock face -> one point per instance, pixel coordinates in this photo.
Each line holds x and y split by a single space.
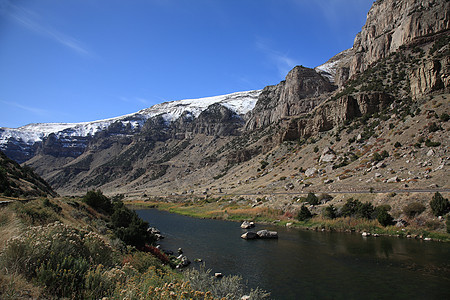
393 23
429 76
335 113
301 92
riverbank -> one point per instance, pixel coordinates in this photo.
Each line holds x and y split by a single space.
234 211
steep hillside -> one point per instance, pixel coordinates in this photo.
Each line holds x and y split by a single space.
21 181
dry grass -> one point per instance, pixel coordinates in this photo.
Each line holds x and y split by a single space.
10 225
14 286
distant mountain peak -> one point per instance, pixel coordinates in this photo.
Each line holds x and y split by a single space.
239 102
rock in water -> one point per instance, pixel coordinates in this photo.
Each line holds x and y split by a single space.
266 234
250 235
247 225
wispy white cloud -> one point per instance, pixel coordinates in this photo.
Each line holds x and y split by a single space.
32 21
139 100
282 61
143 101
33 110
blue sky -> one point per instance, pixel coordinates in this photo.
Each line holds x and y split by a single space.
84 60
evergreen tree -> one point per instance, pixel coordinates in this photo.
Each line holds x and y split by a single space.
304 214
439 205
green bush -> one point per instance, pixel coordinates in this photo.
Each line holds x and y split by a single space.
97 200
397 145
56 256
430 143
330 212
384 218
439 205
304 214
433 127
264 164
376 157
444 117
413 209
97 284
312 199
365 210
350 208
129 227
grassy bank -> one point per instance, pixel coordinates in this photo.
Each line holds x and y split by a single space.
224 210
66 248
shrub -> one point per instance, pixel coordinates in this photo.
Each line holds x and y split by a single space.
129 227
433 127
97 200
430 143
350 208
413 209
384 218
264 164
228 287
377 157
444 117
56 256
397 145
365 210
312 199
439 205
304 214
142 261
330 212
97 284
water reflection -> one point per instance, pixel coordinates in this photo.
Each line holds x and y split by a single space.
312 264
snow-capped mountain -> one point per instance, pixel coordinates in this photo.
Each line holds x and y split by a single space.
240 103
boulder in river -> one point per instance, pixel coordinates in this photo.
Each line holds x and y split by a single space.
184 261
250 235
266 234
247 225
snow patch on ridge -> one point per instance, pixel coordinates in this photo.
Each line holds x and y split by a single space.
240 102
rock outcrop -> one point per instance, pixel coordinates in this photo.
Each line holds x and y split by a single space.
302 90
393 23
430 76
334 113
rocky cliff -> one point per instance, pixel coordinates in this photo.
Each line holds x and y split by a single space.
393 23
302 90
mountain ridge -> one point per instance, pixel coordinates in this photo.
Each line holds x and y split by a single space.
28 135
355 113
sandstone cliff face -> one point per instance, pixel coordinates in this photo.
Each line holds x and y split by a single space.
431 75
302 90
393 23
335 113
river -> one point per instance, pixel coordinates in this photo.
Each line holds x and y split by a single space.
312 265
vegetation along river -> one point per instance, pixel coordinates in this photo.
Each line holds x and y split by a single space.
312 265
